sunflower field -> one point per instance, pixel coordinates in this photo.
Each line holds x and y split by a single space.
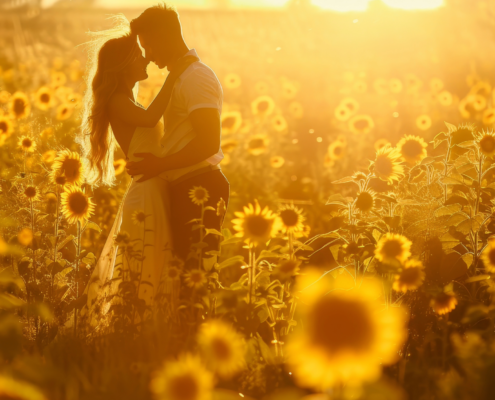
357 257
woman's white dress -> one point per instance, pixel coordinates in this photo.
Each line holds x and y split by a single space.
126 278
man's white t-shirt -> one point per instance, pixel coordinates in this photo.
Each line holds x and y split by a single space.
197 87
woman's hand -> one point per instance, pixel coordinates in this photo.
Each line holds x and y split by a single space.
150 166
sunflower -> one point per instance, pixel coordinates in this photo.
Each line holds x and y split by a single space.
263 106
346 338
6 129
27 144
381 143
488 256
119 166
49 156
231 122
44 98
173 273
256 225
445 98
411 277
481 88
365 201
4 97
286 270
222 348
337 150
304 233
229 145
31 193
279 123
412 149
393 246
199 195
19 106
47 133
25 236
69 165
381 86
58 79
413 83
423 122
395 85
361 124
486 143
489 116
342 113
11 389
351 104
436 85
261 88
195 278
232 81
76 205
277 161
138 217
257 144
64 111
291 218
184 379
443 303
387 165
289 90
296 109
360 86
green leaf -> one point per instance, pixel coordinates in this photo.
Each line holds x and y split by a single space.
93 226
213 232
65 241
344 180
208 263
447 210
231 261
232 240
447 180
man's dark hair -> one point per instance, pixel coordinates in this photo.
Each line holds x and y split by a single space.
161 18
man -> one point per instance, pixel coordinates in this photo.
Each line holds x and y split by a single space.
192 130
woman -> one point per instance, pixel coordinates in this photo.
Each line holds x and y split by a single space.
127 283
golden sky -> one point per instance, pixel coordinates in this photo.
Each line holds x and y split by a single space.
336 5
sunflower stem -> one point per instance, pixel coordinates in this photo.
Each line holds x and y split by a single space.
78 254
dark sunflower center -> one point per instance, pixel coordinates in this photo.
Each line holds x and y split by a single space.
364 201
30 192
289 217
383 165
184 387
256 143
487 144
228 122
288 267
337 150
443 300
361 124
78 203
72 169
196 277
19 106
257 225
172 273
27 142
392 248
3 127
491 256
262 106
339 325
221 349
45 98
412 148
410 275
200 194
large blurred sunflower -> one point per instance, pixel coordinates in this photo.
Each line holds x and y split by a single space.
68 164
232 81
411 277
184 379
6 129
291 218
222 348
76 205
361 124
423 122
337 150
347 337
444 302
44 98
199 195
351 104
393 246
27 144
64 111
19 106
486 143
279 123
254 224
387 165
257 144
342 113
263 106
445 98
412 148
229 145
231 122
488 256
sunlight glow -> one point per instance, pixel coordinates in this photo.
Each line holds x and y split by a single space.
414 4
362 5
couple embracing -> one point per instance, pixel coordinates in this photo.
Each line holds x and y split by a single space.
170 162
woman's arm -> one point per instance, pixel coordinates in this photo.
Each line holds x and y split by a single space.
127 111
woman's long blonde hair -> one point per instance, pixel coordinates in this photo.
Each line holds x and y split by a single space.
109 52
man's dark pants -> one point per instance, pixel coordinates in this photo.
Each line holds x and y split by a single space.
184 210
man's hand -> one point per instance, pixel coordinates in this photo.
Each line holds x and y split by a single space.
149 167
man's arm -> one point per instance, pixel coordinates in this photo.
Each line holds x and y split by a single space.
206 125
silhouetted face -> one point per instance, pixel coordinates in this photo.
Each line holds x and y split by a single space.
136 70
156 49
